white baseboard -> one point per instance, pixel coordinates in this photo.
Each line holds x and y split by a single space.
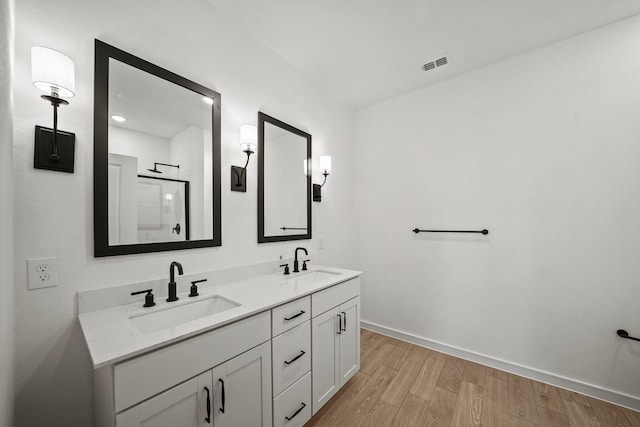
503 365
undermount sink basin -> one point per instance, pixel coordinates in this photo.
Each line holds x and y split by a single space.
311 276
177 315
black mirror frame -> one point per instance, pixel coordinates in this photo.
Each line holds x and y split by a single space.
262 119
103 52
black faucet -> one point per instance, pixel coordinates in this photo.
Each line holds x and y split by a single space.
172 281
295 261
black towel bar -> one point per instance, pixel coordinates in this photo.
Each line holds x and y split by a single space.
624 334
484 231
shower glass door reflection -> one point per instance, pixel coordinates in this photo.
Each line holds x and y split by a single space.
162 209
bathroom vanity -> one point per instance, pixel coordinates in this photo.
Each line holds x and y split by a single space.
264 350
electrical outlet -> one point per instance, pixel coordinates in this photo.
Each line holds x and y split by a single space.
42 273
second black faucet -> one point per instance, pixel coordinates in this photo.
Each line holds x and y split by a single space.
295 261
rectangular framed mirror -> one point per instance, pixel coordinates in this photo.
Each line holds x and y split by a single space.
284 181
156 158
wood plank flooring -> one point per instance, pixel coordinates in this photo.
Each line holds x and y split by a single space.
401 384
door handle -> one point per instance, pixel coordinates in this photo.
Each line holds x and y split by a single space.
295 315
339 324
296 413
208 418
344 317
302 353
222 409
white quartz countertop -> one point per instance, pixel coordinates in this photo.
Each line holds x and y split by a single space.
112 337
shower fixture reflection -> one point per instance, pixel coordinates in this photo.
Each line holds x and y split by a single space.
155 167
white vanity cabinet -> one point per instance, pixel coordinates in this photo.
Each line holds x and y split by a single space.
335 339
242 390
236 393
187 405
274 364
224 373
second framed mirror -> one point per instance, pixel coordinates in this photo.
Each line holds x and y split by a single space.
284 181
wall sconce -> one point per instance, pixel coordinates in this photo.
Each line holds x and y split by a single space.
325 167
53 73
248 139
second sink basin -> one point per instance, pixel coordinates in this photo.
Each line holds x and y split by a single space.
311 277
174 316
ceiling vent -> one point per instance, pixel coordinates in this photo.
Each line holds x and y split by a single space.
437 63
429 66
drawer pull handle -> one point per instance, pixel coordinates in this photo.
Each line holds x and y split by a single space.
222 409
344 318
339 324
295 315
208 419
302 353
296 413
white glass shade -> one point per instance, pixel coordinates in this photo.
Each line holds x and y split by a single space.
248 137
325 163
52 72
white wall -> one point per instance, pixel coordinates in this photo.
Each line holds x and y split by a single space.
147 148
6 213
544 151
54 210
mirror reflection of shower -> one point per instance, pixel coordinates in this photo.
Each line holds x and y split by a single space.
155 167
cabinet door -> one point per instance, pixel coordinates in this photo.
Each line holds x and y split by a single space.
325 363
349 340
242 389
185 405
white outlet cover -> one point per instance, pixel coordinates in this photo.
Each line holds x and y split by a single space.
42 273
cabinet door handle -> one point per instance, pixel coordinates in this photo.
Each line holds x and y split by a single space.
296 413
208 418
302 353
222 409
339 324
295 315
344 318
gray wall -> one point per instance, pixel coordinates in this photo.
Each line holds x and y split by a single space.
542 150
6 211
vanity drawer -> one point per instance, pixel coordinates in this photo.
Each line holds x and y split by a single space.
291 356
334 296
290 315
295 398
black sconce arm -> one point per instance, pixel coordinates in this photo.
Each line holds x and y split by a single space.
326 174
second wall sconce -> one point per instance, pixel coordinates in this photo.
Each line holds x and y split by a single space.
53 73
248 143
325 167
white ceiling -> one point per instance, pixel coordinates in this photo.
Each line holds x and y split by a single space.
365 51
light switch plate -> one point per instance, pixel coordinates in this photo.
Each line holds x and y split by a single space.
42 273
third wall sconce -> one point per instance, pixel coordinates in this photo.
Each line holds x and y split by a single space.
325 167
